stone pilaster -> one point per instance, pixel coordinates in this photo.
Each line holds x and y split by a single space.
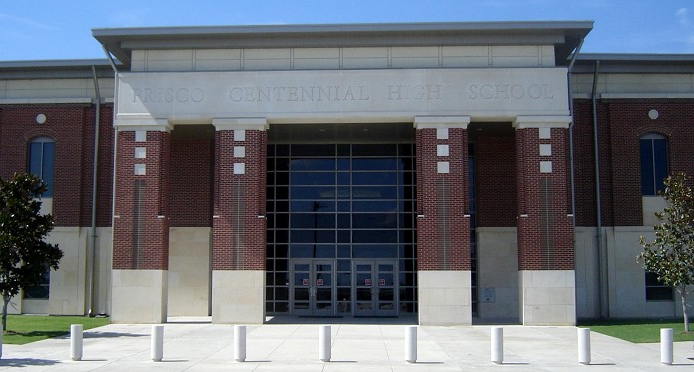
141 225
545 229
443 226
239 225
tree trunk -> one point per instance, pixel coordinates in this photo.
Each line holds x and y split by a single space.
683 295
6 301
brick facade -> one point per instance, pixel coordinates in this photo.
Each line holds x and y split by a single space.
71 126
443 233
495 174
141 221
239 224
545 232
621 123
192 167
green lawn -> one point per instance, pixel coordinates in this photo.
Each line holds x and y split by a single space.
22 329
640 330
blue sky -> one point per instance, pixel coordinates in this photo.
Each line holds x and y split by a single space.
61 29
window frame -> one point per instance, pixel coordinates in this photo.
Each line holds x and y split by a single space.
44 168
46 164
655 166
656 290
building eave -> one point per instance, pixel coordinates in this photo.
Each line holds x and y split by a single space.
564 35
54 69
625 63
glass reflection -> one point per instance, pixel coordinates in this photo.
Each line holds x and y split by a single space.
340 203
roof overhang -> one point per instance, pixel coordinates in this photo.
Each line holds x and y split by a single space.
564 35
635 63
55 69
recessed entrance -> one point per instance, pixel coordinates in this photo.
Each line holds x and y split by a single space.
341 221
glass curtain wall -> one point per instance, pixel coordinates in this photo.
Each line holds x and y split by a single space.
332 209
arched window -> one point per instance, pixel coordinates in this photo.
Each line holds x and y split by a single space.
654 163
42 160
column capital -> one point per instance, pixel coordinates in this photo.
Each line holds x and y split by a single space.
141 122
523 122
240 123
424 122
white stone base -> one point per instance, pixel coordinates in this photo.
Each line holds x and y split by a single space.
547 297
189 271
497 274
445 298
139 296
238 296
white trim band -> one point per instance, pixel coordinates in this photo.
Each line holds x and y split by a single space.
426 122
240 123
523 122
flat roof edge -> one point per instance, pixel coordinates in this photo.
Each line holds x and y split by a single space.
55 63
338 28
635 57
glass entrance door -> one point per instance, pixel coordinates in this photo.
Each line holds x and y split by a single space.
313 287
375 288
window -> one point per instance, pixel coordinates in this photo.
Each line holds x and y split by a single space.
656 290
41 290
654 163
41 161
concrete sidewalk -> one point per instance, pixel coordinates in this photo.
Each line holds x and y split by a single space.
371 346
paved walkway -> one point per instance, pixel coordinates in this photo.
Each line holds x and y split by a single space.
372 345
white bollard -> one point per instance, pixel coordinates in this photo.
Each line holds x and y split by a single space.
497 345
324 343
584 345
666 337
1 332
76 341
157 343
240 343
411 344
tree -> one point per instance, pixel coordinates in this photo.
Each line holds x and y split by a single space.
24 254
671 255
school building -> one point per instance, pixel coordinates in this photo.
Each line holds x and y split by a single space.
463 172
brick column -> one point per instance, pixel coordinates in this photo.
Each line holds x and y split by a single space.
141 225
443 226
239 225
545 230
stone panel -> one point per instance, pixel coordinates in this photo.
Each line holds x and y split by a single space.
587 273
170 60
265 59
547 297
139 296
444 297
650 205
497 270
189 271
342 96
316 58
217 59
415 57
365 58
238 296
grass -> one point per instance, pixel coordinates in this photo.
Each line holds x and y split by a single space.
640 330
23 329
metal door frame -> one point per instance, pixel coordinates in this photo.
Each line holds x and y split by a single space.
375 287
312 287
